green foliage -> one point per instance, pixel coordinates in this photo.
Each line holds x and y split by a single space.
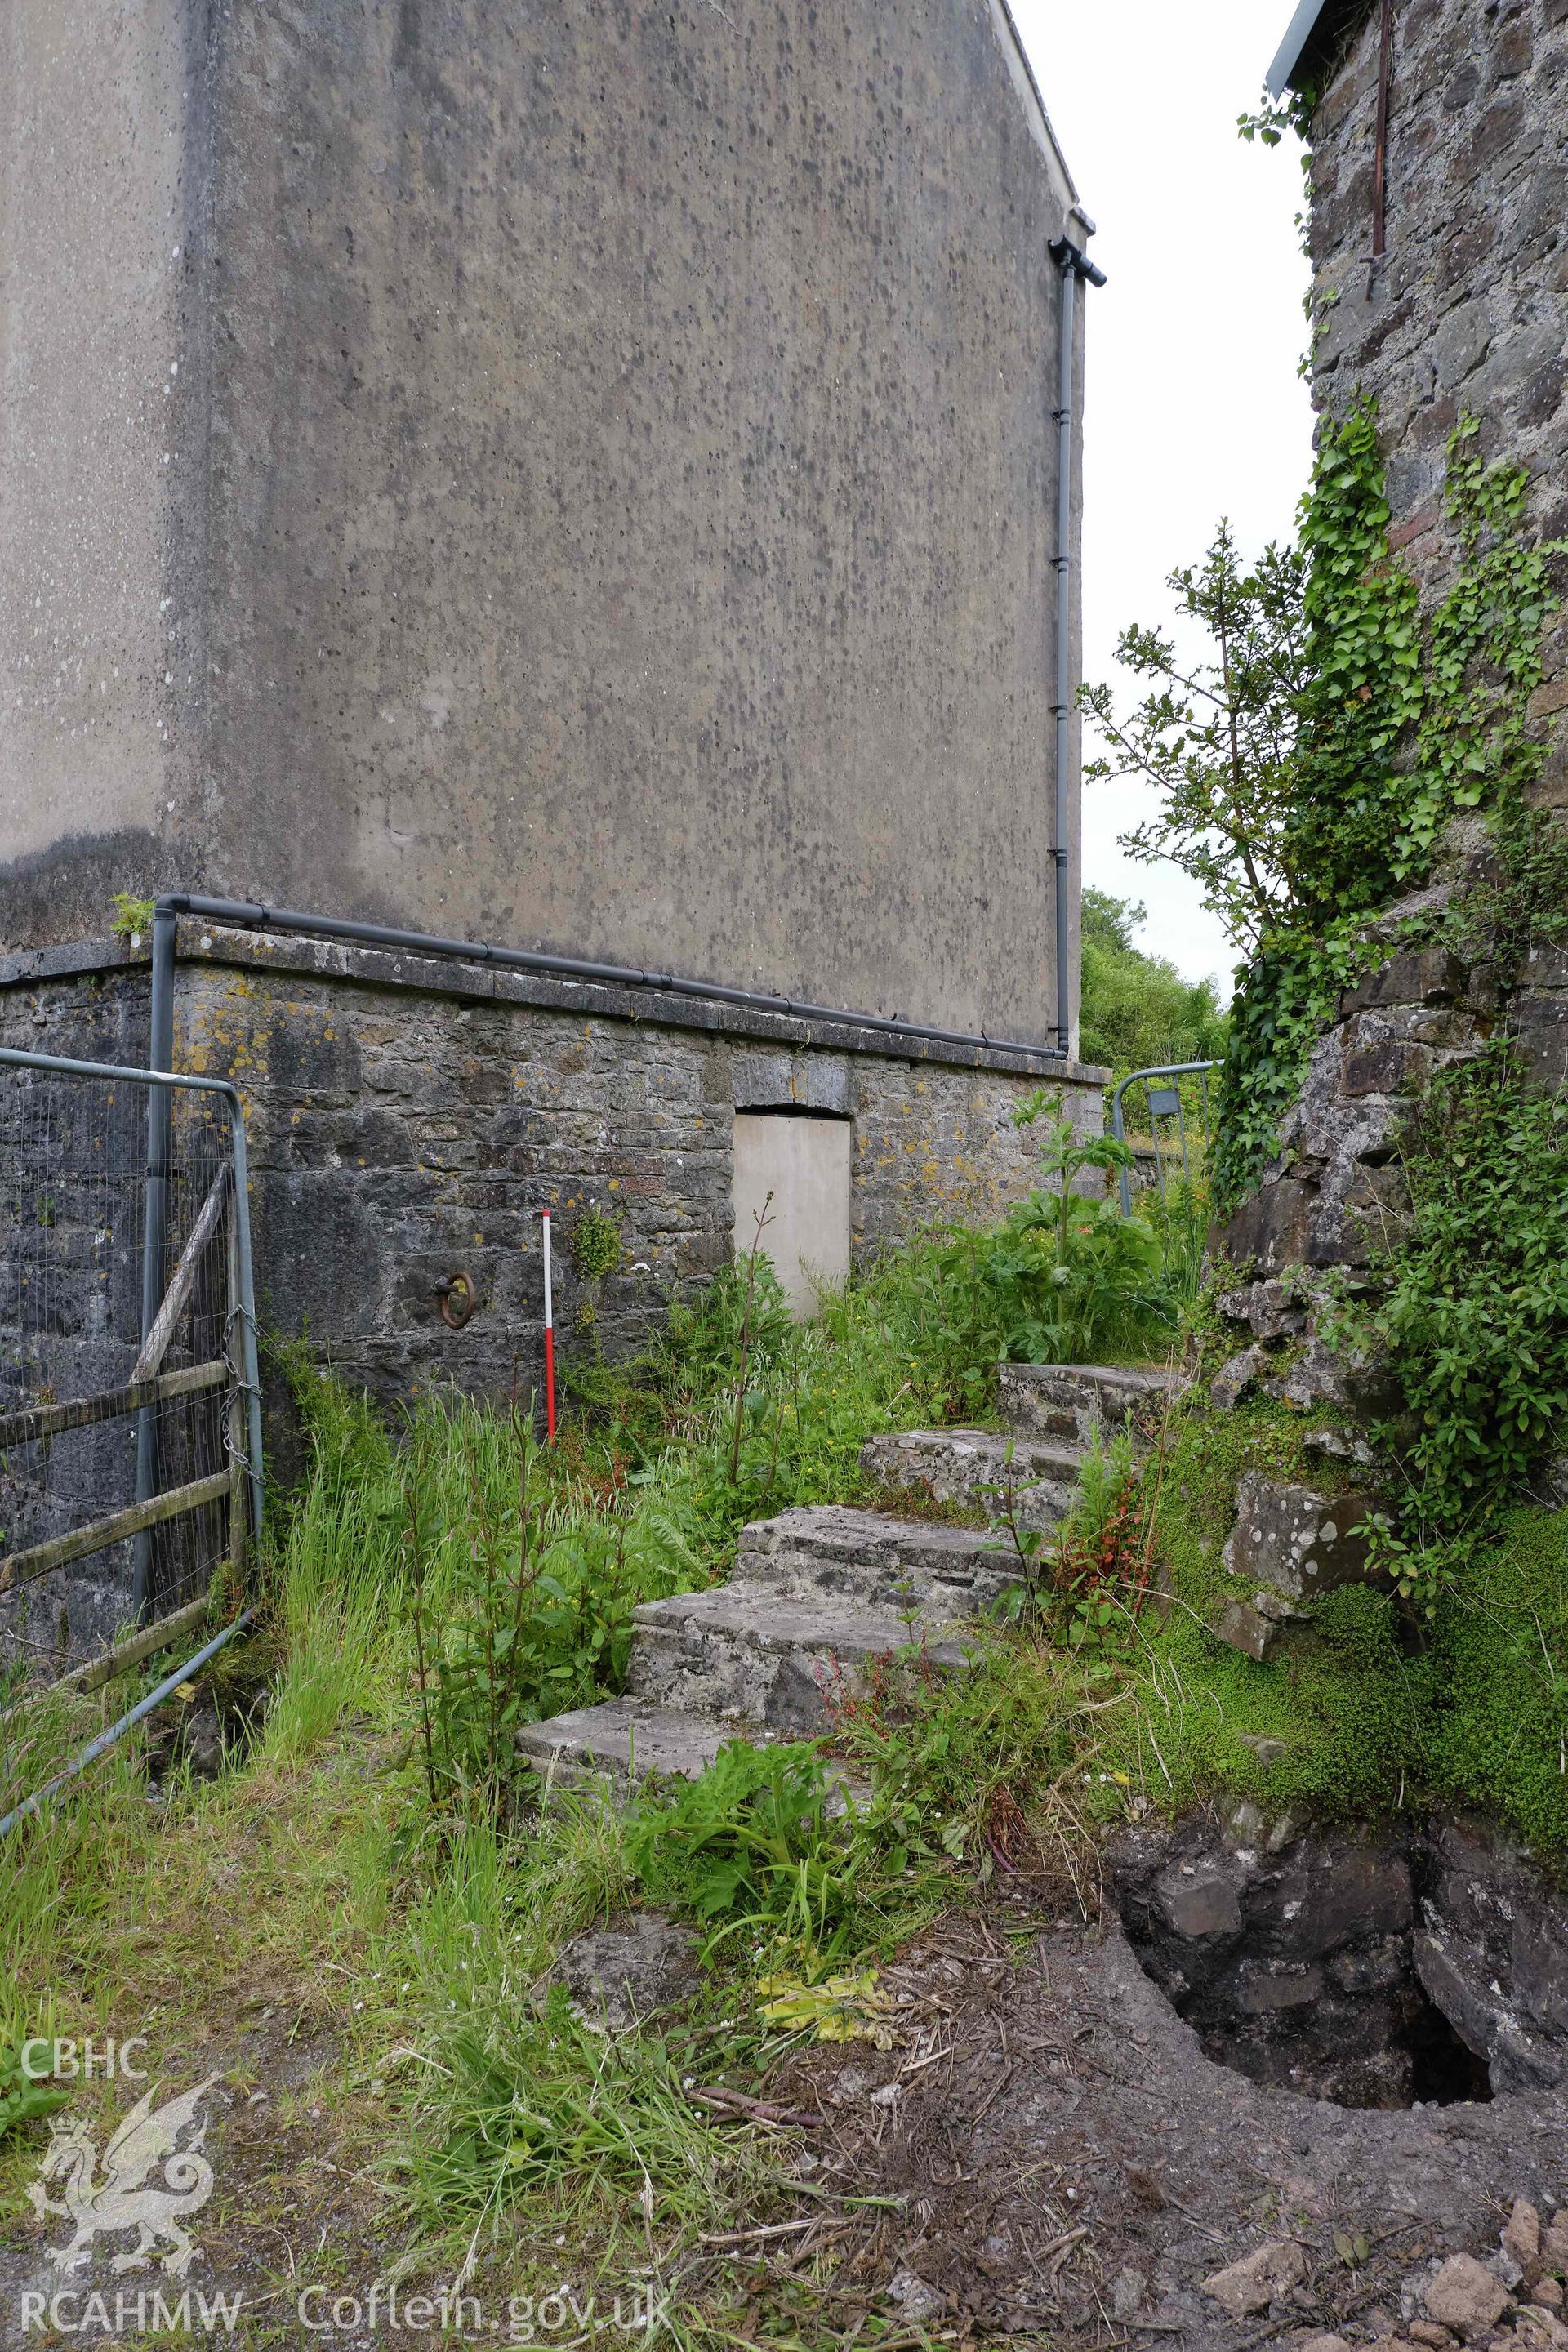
1276 116
1216 735
945 1754
1137 1010
1066 1276
518 2098
133 917
1474 1318
23 2100
748 1846
1398 728
1362 690
1288 994
1345 1705
1484 653
595 1244
1500 1738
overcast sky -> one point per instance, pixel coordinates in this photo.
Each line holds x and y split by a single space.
1195 406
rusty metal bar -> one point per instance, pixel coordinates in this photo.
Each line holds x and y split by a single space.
1380 157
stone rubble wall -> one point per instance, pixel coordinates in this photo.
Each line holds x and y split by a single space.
407 1120
1465 310
1464 315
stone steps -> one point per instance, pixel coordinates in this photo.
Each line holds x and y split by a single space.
774 1659
1075 1401
970 1466
819 1592
620 1741
823 1547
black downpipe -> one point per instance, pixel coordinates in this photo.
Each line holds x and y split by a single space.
1073 265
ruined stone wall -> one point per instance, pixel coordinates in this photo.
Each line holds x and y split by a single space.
1467 311
408 1120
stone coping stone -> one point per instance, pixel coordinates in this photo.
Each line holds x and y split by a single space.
399 968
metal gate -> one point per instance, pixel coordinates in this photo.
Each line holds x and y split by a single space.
129 1405
1163 1105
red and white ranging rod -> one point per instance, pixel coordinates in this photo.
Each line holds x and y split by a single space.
549 1337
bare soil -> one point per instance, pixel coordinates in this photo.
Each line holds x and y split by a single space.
1073 2166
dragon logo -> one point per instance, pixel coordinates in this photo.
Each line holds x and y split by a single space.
124 2197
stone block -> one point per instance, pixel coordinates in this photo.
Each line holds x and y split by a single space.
1296 1541
1252 1628
1541 1038
617 1980
1260 2278
1271 1309
1460 343
1269 1229
1426 976
1546 967
1200 1899
1388 1066
1466 2296
1358 1217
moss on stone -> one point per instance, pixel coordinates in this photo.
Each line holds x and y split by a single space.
1360 1713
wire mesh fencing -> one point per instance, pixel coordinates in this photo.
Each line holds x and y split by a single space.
129 1455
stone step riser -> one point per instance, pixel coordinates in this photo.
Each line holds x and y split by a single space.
862 1555
620 1742
877 1587
791 1690
1079 1402
972 1466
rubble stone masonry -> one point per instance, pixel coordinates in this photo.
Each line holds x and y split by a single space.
408 1120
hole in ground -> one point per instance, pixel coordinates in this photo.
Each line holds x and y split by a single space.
1359 1970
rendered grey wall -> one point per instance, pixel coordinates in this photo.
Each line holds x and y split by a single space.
623 451
94 108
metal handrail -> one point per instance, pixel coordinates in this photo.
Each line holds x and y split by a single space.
1118 1125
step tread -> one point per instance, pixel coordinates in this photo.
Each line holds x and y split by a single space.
754 1616
623 1734
1042 1457
834 1531
1147 1380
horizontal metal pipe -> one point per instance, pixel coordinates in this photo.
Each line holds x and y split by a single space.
10 1055
106 1740
246 914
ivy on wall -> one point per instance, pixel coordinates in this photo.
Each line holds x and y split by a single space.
1403 725
1474 1318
